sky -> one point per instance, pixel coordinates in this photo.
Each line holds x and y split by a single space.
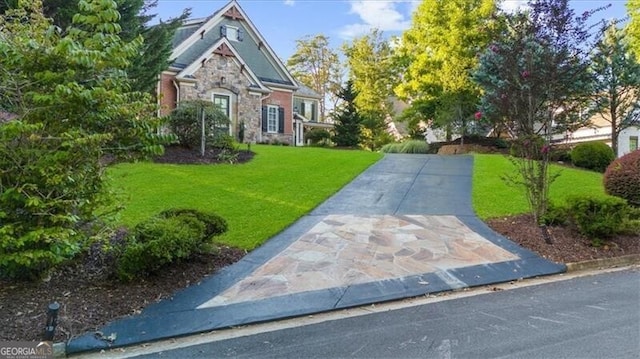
282 22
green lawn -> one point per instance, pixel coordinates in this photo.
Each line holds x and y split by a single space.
493 197
258 199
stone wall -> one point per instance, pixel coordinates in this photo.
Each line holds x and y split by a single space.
221 75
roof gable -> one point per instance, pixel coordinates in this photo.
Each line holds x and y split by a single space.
194 40
222 48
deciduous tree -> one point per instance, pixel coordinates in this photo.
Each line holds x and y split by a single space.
317 66
72 104
439 52
633 27
535 80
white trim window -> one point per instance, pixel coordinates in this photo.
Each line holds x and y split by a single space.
272 119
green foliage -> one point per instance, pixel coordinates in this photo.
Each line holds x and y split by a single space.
73 107
171 236
633 26
317 136
50 188
537 64
438 52
560 154
411 146
595 156
616 96
598 218
347 119
317 66
622 178
186 123
529 147
371 69
556 215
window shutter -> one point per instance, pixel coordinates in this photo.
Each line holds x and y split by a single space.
240 35
280 119
264 118
223 31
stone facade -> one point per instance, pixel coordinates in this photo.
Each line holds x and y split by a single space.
222 75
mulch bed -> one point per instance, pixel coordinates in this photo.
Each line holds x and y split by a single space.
567 244
183 155
90 297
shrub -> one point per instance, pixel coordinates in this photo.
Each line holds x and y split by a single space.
223 141
595 156
599 218
317 136
391 148
50 189
622 178
415 146
556 215
411 146
527 147
560 154
185 122
173 235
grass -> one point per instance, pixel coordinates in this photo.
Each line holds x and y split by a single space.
493 197
258 199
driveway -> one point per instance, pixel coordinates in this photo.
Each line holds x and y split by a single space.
403 228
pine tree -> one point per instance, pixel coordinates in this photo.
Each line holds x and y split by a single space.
347 119
616 72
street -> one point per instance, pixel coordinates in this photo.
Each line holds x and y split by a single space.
588 317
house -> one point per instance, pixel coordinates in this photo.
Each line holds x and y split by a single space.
599 129
223 58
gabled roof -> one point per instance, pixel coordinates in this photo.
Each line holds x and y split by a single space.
223 47
195 38
305 91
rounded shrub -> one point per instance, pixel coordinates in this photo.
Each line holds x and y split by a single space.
622 178
597 217
595 156
415 146
317 136
186 122
171 236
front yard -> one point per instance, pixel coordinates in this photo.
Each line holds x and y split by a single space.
259 199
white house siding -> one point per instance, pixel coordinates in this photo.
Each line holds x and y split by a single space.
624 140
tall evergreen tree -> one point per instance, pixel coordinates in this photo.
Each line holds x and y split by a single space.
347 119
134 21
616 73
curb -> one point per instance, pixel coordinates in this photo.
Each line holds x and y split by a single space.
604 263
628 260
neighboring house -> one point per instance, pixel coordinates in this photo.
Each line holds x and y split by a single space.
306 104
224 59
600 130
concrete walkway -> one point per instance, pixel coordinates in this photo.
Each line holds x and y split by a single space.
403 228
